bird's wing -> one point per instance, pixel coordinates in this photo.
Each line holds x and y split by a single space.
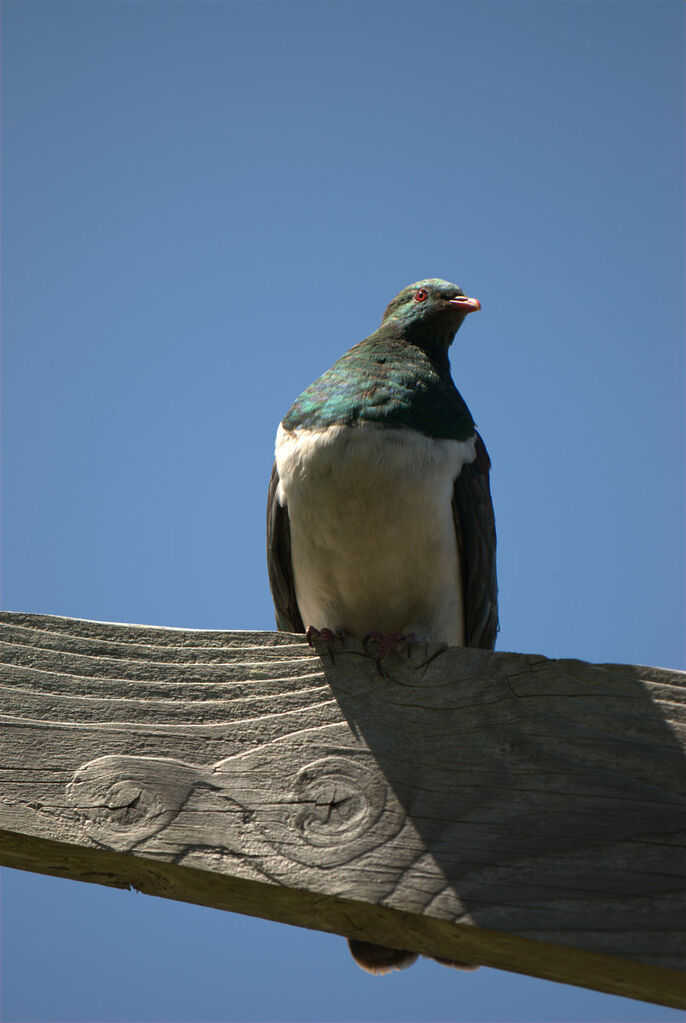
475 530
279 562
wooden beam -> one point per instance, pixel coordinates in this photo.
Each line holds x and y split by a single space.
498 808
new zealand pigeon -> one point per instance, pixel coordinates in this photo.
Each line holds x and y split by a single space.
379 514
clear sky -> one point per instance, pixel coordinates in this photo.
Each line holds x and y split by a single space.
203 205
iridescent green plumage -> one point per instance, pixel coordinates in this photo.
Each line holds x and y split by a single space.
399 376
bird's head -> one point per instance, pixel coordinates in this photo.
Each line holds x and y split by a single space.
431 310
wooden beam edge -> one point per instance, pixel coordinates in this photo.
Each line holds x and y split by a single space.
347 917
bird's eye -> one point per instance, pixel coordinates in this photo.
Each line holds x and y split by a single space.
420 295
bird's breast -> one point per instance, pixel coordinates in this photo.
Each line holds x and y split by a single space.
373 542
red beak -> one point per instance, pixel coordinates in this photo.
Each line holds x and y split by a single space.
468 305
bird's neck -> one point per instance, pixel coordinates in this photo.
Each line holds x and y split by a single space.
433 341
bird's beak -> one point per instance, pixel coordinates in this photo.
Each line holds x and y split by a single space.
467 305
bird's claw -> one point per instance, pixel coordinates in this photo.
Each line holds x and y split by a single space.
324 637
385 643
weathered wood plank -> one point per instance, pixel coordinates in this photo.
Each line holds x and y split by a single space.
500 808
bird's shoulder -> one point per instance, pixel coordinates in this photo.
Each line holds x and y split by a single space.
386 380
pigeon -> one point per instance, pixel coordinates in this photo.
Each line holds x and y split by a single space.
379 514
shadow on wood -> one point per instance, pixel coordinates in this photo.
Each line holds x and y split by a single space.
500 808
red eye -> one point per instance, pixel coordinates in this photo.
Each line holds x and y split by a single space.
420 295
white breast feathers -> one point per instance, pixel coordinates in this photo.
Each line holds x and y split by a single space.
373 542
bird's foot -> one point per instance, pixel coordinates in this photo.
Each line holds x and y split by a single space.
326 638
385 642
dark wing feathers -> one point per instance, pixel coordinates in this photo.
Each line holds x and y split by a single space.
279 563
475 529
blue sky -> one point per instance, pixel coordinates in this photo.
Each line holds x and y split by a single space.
203 205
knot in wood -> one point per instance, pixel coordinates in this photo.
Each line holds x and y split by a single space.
125 803
340 802
122 800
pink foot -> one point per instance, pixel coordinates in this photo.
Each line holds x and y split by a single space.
326 637
387 641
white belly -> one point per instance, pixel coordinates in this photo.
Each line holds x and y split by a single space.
373 541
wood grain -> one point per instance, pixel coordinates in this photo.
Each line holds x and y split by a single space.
499 808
